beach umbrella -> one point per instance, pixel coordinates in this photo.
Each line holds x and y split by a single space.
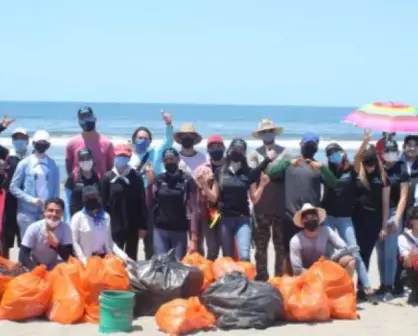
385 117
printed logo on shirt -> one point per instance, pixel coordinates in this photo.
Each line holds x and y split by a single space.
345 177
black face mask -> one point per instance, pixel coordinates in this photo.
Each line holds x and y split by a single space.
236 156
88 126
92 204
171 168
311 225
187 142
41 147
308 151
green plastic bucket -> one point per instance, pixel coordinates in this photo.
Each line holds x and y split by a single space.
116 311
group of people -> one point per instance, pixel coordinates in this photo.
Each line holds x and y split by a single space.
227 199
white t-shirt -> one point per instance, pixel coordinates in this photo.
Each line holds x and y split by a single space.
41 171
406 246
190 163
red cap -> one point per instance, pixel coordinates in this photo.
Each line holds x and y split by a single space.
215 139
123 149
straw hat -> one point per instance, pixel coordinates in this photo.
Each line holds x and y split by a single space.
297 218
187 128
267 125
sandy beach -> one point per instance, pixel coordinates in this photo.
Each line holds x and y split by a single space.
387 318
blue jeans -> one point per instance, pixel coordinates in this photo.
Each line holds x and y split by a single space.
165 240
239 229
345 229
387 252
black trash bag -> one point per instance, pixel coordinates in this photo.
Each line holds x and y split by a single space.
240 303
160 280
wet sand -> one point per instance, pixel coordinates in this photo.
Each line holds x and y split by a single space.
387 318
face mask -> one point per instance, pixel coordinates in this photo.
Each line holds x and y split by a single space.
92 204
308 151
170 168
87 125
217 155
268 138
20 145
52 223
41 147
121 162
236 156
391 157
336 158
141 145
86 165
187 142
311 225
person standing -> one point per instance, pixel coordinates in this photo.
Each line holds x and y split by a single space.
35 181
123 197
148 163
11 232
269 209
101 146
380 144
4 246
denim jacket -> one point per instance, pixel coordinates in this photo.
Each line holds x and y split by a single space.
23 184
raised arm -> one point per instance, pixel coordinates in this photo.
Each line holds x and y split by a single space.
357 158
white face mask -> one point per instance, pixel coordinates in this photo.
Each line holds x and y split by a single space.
391 157
86 165
51 223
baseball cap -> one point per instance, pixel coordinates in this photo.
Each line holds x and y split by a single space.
332 148
123 149
41 135
310 137
90 191
237 142
390 146
84 153
85 111
20 130
215 139
170 152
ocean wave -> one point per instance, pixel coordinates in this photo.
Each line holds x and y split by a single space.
289 143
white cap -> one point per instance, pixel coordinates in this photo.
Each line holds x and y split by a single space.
41 135
20 130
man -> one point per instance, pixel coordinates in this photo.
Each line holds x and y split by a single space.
302 183
4 249
315 241
100 145
386 136
269 209
48 241
20 141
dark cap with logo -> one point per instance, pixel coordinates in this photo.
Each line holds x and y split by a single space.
85 111
390 146
170 153
238 143
91 191
84 154
332 148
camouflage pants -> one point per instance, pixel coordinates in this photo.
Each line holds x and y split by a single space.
266 226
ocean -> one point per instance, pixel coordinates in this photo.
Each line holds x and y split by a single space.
118 121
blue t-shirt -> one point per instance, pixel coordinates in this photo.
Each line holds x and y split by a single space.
35 238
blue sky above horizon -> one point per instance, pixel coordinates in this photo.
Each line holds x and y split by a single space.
270 52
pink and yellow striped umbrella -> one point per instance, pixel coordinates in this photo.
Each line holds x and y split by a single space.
385 117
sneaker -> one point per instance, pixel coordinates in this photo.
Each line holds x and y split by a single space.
382 290
413 298
398 290
363 297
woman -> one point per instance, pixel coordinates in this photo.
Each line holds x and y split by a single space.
91 229
123 197
339 204
84 176
371 210
233 182
398 176
173 198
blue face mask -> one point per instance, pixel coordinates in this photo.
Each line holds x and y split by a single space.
336 158
141 145
121 162
20 145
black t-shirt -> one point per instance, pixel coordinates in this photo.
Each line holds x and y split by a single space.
339 201
370 199
397 175
233 192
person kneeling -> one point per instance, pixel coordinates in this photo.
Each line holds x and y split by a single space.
47 241
408 250
315 241
91 229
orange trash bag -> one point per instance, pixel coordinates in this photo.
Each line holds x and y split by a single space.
284 284
27 296
307 301
339 287
184 316
247 268
5 267
196 260
223 265
102 274
67 304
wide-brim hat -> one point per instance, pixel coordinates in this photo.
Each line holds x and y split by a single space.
267 125
187 128
297 218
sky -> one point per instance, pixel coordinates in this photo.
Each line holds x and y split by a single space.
299 52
